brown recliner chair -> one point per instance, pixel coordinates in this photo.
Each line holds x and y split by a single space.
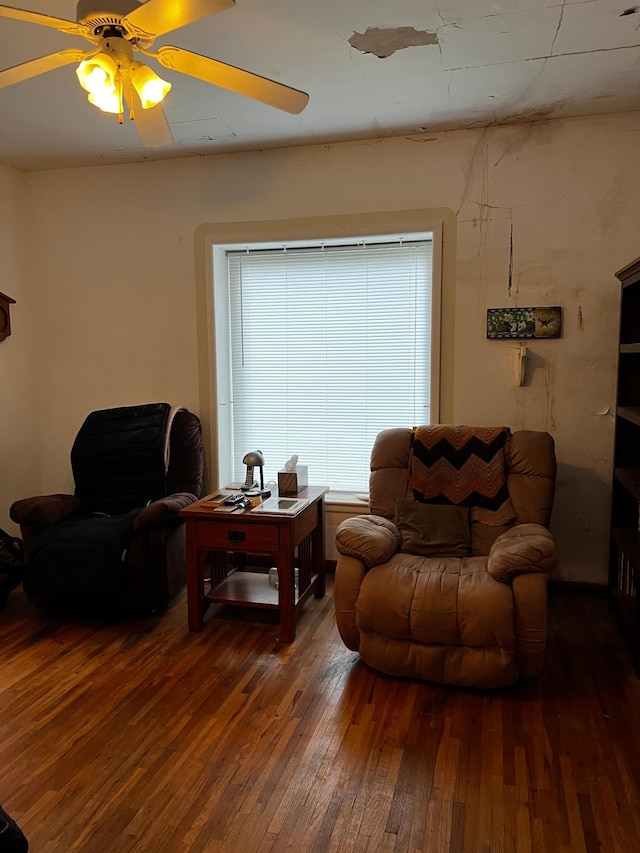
116 547
446 579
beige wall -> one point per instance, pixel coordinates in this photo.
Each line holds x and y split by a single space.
113 268
19 435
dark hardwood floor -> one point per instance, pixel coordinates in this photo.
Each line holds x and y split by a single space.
143 737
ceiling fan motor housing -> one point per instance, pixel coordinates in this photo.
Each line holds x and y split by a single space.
95 13
120 49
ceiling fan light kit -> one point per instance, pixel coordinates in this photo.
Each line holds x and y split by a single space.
112 77
107 75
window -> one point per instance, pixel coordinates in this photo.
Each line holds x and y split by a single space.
321 347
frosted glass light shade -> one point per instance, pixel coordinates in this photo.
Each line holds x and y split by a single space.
151 89
97 76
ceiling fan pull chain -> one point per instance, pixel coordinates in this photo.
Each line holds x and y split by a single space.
118 82
127 94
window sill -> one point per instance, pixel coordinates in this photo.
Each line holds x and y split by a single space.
345 501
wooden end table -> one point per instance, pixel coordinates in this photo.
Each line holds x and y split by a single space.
212 532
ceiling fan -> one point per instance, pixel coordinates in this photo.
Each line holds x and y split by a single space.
112 77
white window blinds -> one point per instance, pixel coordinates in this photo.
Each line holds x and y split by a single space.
329 346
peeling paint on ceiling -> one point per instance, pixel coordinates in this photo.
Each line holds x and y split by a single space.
479 64
384 43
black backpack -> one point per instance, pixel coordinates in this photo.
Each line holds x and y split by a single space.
12 838
11 564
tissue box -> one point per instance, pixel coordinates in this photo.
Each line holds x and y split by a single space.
292 482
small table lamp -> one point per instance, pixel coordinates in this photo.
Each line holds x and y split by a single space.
252 460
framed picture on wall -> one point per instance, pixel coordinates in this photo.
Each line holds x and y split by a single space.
512 323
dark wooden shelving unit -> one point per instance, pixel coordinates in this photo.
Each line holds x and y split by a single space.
624 567
629 413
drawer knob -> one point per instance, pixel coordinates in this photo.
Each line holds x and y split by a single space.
236 536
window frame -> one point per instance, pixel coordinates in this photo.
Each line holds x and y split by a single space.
212 242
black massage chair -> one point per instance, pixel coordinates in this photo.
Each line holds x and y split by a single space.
116 547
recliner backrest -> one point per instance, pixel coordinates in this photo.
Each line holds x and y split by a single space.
125 457
185 472
531 471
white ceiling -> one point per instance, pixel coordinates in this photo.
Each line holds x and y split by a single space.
488 62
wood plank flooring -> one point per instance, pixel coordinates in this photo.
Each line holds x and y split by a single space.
143 737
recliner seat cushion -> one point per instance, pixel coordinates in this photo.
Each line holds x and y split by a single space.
80 563
437 618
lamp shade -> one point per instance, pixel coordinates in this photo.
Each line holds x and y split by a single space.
151 89
255 458
98 77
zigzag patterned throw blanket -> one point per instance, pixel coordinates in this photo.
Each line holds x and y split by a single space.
464 466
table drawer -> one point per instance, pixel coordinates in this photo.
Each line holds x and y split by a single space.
236 536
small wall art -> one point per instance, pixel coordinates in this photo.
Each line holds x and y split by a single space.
5 319
510 323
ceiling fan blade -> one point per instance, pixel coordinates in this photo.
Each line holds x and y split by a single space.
152 125
231 78
157 17
46 21
39 66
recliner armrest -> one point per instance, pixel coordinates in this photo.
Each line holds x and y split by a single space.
44 510
163 512
520 550
372 539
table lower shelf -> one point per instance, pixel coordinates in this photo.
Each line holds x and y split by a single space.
251 589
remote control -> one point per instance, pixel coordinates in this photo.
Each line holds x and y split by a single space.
234 500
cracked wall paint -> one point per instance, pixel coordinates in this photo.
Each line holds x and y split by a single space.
529 176
385 42
554 178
